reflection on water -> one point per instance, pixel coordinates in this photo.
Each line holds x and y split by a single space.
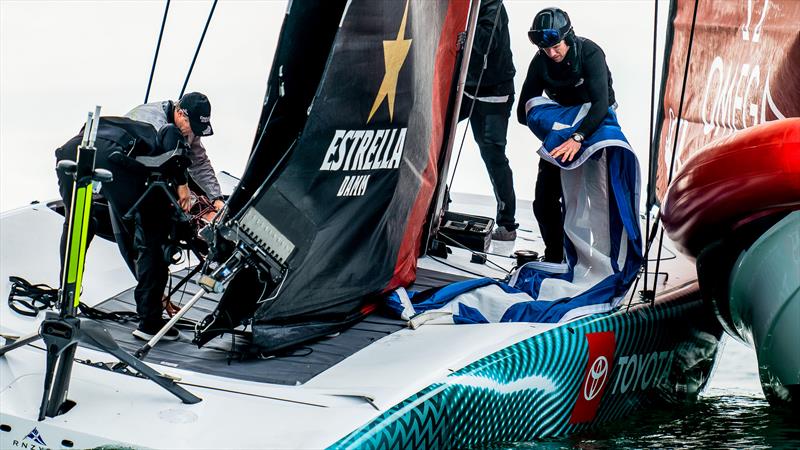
725 421
732 413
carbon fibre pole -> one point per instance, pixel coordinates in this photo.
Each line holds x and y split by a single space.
155 57
63 332
197 52
72 276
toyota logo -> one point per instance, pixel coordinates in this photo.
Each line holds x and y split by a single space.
596 378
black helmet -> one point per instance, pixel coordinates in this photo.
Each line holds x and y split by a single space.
550 26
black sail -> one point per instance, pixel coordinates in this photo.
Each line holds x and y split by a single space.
342 207
303 47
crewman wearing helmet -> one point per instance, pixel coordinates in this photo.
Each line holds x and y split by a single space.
571 70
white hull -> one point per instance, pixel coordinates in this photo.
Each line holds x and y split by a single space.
366 388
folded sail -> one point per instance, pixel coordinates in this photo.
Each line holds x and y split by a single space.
603 244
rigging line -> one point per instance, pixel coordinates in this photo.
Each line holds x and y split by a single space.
250 394
264 183
658 262
441 261
647 236
499 255
224 211
633 291
475 99
199 267
197 52
638 278
155 57
652 144
671 256
277 291
204 386
459 244
675 138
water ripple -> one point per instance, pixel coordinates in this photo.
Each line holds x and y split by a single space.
731 414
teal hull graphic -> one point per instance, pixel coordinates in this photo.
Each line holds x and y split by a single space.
568 379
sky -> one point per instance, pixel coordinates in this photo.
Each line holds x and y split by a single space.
60 58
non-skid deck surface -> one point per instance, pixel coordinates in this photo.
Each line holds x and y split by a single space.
290 368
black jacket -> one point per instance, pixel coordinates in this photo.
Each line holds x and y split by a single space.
498 77
583 76
130 138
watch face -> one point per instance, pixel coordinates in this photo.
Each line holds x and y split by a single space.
577 138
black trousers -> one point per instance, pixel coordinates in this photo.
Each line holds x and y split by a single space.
548 210
140 242
489 122
152 270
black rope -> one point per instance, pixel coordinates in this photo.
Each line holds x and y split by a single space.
648 240
266 181
29 299
239 187
453 266
675 139
652 125
473 252
155 57
197 52
475 99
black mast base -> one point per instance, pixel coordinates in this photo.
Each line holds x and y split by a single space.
61 336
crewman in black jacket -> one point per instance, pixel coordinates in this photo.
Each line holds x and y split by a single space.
572 71
141 240
491 64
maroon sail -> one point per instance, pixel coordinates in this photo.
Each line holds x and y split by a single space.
744 70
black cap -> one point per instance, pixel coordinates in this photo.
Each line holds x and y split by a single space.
198 109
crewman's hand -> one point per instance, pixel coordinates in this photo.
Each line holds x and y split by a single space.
568 149
218 204
184 198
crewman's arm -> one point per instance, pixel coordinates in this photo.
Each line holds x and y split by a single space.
202 172
532 87
596 77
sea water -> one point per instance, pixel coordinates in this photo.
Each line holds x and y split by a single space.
731 413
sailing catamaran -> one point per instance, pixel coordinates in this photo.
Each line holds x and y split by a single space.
732 203
337 207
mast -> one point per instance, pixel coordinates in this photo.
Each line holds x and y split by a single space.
439 197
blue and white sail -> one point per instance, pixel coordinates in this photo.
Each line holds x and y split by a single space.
603 243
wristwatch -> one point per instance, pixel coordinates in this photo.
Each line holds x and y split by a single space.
577 137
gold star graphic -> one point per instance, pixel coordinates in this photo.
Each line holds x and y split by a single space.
394 54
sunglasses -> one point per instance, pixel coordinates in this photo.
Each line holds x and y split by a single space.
545 38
